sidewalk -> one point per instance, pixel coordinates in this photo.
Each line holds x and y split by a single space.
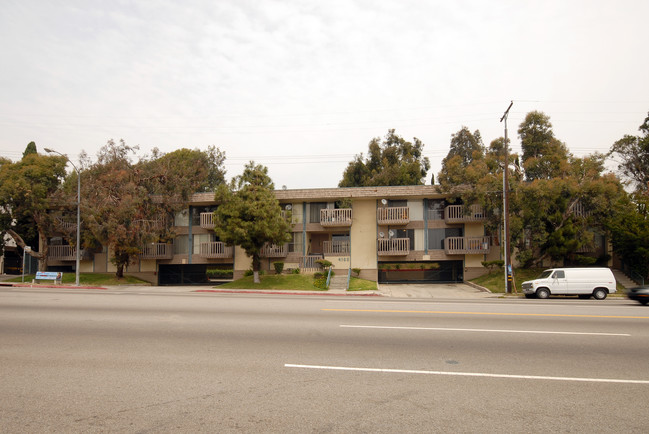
412 291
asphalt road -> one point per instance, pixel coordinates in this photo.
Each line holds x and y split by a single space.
103 361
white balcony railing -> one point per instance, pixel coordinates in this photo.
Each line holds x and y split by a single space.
336 248
399 215
458 214
336 217
274 251
62 253
216 250
207 220
467 245
157 251
393 246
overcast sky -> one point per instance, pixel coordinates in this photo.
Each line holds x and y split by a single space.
302 86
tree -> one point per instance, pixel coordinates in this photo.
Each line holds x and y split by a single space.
30 149
629 229
249 215
461 164
126 204
393 161
27 192
634 153
544 156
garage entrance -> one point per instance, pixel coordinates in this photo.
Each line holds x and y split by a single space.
421 272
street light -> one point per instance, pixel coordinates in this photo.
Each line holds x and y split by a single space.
78 209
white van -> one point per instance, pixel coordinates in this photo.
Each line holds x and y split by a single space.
584 282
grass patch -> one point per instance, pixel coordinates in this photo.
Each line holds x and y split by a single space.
293 282
89 279
495 281
356 284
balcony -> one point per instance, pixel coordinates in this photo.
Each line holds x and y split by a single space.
274 251
394 247
207 220
157 251
336 217
458 214
393 215
216 250
336 248
467 245
62 253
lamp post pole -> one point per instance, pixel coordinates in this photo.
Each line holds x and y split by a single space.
507 247
78 249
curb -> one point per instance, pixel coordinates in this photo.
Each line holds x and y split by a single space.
314 293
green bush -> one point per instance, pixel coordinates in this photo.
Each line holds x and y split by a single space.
295 271
279 267
320 282
357 271
249 272
219 274
491 265
325 264
318 275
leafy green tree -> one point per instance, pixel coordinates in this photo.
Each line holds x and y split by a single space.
629 228
249 215
633 151
544 156
30 149
391 161
27 192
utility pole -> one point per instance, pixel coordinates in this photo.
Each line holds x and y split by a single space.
508 263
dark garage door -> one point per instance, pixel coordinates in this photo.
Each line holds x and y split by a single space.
421 272
183 274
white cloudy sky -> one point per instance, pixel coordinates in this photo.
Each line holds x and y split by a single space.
302 86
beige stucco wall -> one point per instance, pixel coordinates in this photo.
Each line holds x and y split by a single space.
86 267
148 265
363 235
242 262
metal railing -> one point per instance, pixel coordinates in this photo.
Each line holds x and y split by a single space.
399 215
62 253
336 217
394 246
216 250
157 251
467 245
458 214
336 248
308 263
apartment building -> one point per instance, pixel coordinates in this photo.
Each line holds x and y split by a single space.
391 234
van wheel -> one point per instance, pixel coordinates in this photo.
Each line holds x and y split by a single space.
600 294
542 293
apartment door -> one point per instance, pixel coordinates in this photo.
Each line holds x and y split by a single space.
317 241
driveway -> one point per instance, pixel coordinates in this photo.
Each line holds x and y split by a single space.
438 290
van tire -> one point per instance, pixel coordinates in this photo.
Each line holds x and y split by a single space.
542 293
600 293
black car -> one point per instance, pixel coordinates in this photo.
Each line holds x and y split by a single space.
641 294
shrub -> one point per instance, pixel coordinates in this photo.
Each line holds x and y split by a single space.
318 275
490 265
249 272
279 267
325 264
296 271
222 274
357 271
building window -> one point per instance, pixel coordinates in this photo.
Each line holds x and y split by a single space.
182 218
296 246
181 245
314 211
436 237
436 209
405 233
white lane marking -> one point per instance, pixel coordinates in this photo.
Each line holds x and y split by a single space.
483 330
467 374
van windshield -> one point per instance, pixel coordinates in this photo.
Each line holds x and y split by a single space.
545 274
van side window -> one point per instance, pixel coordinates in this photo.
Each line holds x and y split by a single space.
559 274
